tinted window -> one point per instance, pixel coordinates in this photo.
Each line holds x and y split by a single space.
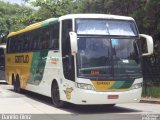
54 41
2 57
68 59
66 28
44 38
39 39
19 43
34 39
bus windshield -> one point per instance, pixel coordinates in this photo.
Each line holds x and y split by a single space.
102 55
106 27
112 58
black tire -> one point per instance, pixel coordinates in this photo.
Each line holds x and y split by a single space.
14 83
17 87
12 79
56 96
111 105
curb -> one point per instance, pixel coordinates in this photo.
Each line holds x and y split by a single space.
153 101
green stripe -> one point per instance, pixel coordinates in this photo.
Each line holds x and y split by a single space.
117 84
122 84
37 67
49 21
127 84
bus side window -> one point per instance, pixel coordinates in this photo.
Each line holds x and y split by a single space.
40 40
66 28
2 60
45 38
68 59
19 44
13 45
54 40
28 38
8 45
25 43
34 38
30 41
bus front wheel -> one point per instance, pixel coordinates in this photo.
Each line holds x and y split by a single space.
110 105
56 96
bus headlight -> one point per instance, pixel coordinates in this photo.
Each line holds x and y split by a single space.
84 86
137 85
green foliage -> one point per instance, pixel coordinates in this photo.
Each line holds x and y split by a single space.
152 91
11 17
47 9
53 8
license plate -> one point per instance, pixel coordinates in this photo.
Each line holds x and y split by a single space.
113 96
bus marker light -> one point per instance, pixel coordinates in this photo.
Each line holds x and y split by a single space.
113 96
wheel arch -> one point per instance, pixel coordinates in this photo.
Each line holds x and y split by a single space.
60 103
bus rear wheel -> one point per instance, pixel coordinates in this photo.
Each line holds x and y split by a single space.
56 96
17 85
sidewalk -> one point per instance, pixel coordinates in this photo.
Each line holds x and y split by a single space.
150 100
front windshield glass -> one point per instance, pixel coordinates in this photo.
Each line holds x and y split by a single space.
101 57
107 49
105 27
94 56
126 59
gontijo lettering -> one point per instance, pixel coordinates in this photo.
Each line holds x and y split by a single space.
22 59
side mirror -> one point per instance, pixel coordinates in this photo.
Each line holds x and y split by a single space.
73 42
149 42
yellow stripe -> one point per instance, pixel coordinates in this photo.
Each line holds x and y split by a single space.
29 28
32 27
102 85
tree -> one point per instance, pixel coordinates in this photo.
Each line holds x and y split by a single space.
53 8
11 17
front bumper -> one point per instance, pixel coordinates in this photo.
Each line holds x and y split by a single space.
88 97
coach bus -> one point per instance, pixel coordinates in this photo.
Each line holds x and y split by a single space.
2 62
82 59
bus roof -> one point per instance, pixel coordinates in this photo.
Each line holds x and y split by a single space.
69 16
34 26
103 16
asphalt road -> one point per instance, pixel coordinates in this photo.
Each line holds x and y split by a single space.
37 107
